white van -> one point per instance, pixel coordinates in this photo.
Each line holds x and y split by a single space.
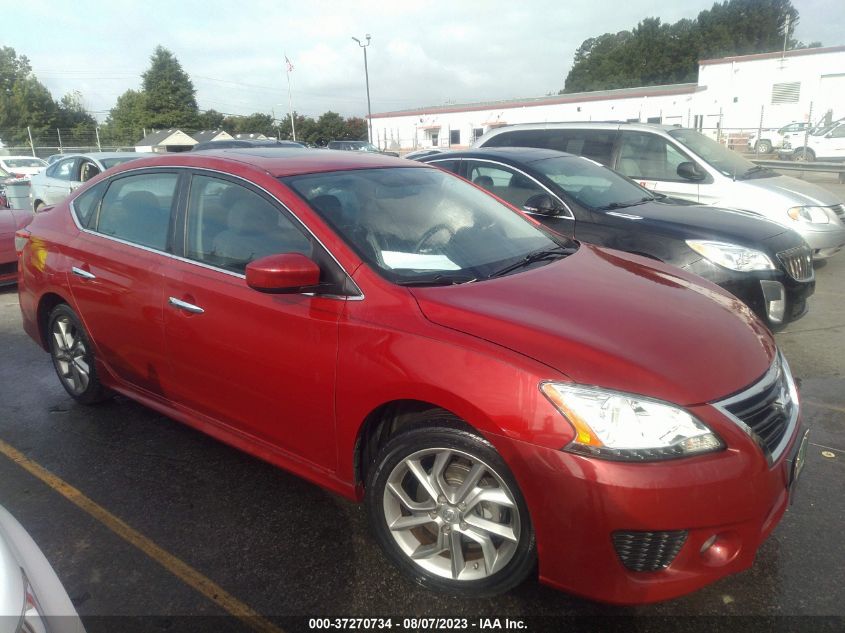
684 163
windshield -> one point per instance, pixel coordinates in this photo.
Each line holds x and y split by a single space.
111 162
725 160
419 225
24 162
589 184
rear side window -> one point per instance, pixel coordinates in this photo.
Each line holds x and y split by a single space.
137 209
87 203
594 144
449 165
61 169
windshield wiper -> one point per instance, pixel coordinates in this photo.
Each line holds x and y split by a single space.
757 169
624 205
535 256
439 279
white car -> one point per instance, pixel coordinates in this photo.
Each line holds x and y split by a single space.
773 139
63 176
827 145
20 166
31 596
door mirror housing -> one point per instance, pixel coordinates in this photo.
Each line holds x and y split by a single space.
288 273
689 171
542 204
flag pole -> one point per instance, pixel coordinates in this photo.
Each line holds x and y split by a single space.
289 67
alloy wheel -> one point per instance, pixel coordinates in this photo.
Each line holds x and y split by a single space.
451 514
70 355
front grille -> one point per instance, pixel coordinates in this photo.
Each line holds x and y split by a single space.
766 408
839 210
648 551
798 262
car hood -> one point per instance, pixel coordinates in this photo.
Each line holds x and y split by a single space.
606 318
773 196
13 219
699 221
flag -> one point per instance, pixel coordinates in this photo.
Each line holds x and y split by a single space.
288 64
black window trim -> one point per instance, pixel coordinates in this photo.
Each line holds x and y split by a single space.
181 199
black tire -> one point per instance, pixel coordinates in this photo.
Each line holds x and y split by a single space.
36 208
73 356
799 155
515 557
763 147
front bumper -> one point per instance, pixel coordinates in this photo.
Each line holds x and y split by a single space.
578 504
761 291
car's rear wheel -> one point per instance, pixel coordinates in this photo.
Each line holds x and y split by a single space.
763 147
446 509
73 356
38 206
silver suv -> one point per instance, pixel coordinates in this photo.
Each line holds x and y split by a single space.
683 163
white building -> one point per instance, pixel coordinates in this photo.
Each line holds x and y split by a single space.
731 94
165 141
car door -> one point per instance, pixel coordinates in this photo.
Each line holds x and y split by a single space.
262 364
114 276
56 181
515 186
652 161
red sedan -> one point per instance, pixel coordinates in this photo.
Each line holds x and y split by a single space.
498 396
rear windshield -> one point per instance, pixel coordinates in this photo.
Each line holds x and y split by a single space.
24 162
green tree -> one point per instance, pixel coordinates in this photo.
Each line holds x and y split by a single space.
210 120
127 119
169 92
656 53
72 112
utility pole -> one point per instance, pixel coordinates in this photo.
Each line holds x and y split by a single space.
289 68
785 36
97 132
367 80
31 144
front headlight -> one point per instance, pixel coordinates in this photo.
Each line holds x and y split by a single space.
621 426
732 256
812 215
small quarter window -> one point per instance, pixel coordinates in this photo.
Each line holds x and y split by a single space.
86 204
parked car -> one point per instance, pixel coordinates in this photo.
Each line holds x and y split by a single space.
683 163
32 598
235 142
767 266
4 201
773 139
358 146
826 145
421 153
496 394
21 166
59 179
11 220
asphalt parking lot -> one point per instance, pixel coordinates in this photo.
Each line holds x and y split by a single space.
169 523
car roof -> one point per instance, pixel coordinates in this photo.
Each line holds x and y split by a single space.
102 155
4 158
586 125
279 161
516 154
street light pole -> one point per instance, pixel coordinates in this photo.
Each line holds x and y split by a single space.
367 79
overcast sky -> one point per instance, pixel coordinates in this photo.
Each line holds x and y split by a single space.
422 52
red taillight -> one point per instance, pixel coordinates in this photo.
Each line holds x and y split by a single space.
21 238
14 175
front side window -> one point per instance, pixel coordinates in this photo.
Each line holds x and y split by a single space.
229 226
87 171
137 209
590 185
649 157
419 225
503 181
838 132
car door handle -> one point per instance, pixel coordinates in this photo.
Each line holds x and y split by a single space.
83 273
184 305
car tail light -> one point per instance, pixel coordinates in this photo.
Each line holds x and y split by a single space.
21 238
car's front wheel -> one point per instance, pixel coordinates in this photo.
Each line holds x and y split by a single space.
73 356
763 147
804 154
446 509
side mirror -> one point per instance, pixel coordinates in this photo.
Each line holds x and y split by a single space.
541 204
689 171
282 274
